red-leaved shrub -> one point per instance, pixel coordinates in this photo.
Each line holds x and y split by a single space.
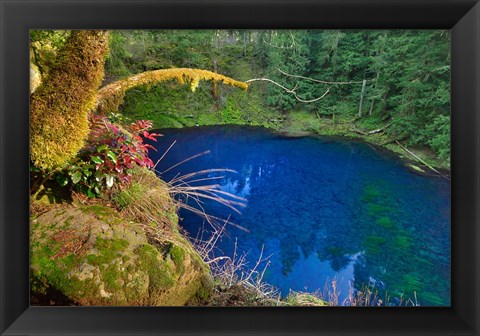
111 153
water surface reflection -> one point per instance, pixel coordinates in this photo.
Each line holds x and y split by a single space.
324 208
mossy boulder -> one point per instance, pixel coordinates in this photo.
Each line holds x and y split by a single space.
304 299
94 257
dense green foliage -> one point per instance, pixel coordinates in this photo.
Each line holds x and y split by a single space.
406 73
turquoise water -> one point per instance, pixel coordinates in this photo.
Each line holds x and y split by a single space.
322 209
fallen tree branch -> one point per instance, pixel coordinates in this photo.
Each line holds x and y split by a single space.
321 81
378 130
356 130
110 97
292 91
420 160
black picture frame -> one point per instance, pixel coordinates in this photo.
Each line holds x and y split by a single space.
17 17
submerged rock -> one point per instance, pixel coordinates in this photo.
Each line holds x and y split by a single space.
94 257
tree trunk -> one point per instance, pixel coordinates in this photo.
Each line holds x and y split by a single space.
380 52
244 43
375 86
231 39
60 106
364 83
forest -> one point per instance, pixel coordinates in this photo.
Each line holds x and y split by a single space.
406 92
110 226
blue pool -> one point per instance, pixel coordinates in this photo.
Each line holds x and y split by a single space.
322 209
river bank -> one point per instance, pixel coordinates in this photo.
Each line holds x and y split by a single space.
299 123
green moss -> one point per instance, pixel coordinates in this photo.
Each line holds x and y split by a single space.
109 254
431 298
108 250
110 245
374 244
42 261
60 106
68 221
111 276
203 294
371 193
411 283
402 241
69 261
178 256
111 96
160 274
204 291
304 299
374 209
385 222
99 210
50 272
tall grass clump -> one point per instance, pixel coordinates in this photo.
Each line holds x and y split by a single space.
146 199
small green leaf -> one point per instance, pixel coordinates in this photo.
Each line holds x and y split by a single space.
102 148
62 180
86 172
71 169
90 193
76 177
111 155
97 159
109 180
99 176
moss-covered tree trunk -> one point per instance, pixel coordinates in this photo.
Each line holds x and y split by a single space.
60 106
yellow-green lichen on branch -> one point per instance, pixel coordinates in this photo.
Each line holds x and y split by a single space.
111 96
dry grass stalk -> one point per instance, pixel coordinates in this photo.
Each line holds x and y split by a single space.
183 191
234 273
